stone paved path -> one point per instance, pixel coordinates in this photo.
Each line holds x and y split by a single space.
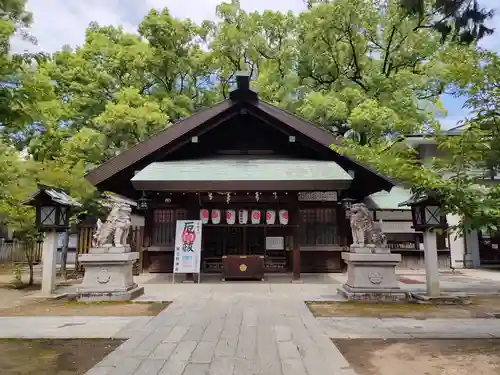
71 327
387 328
229 334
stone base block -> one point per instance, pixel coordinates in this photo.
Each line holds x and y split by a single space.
372 294
52 296
372 271
371 276
99 296
441 300
369 250
108 277
110 250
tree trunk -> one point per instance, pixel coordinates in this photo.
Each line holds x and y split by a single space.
64 255
30 266
29 249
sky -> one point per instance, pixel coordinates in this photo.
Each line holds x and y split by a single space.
60 22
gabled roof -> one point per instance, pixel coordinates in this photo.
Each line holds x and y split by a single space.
48 193
240 98
391 200
415 140
157 141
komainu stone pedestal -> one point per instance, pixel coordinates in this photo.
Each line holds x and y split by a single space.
371 275
108 275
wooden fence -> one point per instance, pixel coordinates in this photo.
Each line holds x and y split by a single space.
17 251
84 243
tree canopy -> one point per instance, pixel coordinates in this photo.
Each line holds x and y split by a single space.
368 71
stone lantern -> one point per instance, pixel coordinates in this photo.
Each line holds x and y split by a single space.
53 210
426 213
427 217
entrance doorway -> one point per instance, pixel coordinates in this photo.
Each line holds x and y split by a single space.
241 239
233 240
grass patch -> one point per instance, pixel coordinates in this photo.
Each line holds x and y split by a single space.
21 286
479 307
53 357
65 307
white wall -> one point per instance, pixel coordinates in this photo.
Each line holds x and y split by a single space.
137 220
457 244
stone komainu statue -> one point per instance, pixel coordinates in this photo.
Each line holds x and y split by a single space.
364 231
115 230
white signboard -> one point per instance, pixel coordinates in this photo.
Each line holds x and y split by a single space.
397 227
275 243
318 196
187 256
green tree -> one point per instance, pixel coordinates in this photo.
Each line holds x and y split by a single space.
129 120
483 94
373 70
14 20
263 44
460 20
180 69
370 71
466 161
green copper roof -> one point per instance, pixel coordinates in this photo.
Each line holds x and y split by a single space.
384 200
243 170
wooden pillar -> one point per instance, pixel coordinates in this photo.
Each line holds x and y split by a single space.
193 213
147 239
139 247
345 234
296 241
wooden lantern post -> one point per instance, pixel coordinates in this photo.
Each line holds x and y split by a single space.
427 217
53 208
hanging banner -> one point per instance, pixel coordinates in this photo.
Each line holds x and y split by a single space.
242 216
230 217
283 217
215 216
187 253
270 217
255 216
204 216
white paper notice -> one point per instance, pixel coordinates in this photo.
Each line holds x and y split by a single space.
187 256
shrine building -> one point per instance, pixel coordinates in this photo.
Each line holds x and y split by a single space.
265 183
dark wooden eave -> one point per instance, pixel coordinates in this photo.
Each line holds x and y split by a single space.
224 185
241 98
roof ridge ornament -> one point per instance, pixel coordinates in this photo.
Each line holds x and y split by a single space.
243 92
